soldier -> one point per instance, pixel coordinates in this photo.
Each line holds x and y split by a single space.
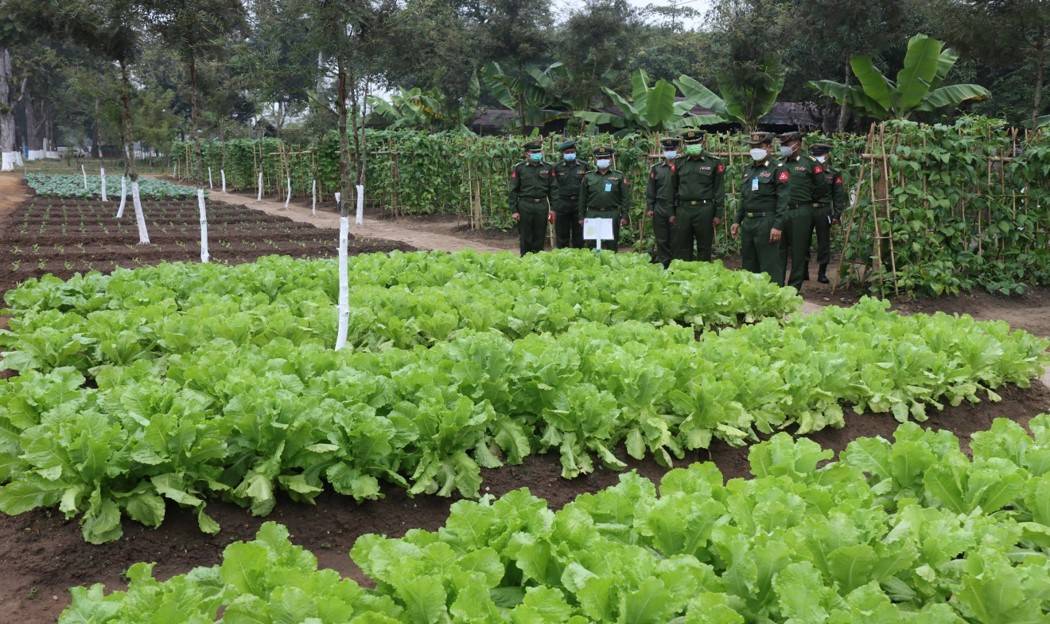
762 214
604 194
806 186
568 174
530 195
699 198
832 203
659 200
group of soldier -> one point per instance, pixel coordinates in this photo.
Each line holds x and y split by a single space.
783 200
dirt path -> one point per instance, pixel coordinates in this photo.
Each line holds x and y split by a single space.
437 237
12 192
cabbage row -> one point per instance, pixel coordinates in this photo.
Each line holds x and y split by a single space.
396 300
238 420
72 185
908 532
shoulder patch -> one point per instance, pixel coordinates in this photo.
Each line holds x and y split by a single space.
818 170
514 172
838 179
783 176
721 168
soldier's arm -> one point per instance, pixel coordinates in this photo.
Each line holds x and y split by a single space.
515 187
650 190
581 205
625 197
782 176
674 190
839 198
720 190
552 180
740 205
821 187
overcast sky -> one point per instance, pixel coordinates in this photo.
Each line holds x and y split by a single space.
563 7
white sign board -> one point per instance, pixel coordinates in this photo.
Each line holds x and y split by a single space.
598 229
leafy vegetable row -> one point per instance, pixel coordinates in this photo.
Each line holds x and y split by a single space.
396 300
240 421
909 532
72 185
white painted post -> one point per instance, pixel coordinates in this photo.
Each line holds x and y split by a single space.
140 219
102 182
83 172
288 198
123 196
259 198
343 309
313 195
222 174
204 225
210 185
337 194
360 219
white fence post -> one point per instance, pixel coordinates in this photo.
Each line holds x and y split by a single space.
204 225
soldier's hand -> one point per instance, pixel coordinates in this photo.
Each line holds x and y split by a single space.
551 217
717 221
672 219
649 213
623 221
734 230
581 221
774 235
834 220
516 216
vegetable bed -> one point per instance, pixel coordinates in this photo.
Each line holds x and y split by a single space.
913 531
72 185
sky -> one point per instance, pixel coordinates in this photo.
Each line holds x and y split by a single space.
562 7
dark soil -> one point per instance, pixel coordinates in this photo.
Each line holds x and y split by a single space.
43 555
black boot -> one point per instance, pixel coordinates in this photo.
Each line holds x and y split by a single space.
822 276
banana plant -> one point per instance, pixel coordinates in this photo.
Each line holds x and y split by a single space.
654 108
738 102
918 88
532 95
427 110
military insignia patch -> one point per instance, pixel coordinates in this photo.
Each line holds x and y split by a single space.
783 176
818 169
721 168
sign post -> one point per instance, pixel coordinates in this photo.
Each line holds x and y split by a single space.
598 230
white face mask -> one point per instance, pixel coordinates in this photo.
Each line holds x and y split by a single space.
603 163
785 150
569 157
821 159
757 153
670 154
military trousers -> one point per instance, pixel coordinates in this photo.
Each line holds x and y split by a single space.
822 225
757 254
532 227
611 245
567 229
662 228
693 224
796 241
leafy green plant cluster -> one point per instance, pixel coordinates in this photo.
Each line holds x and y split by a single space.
968 208
71 185
123 403
909 531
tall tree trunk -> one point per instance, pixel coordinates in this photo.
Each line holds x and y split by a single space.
344 141
844 109
194 119
95 140
7 111
125 123
1040 70
32 127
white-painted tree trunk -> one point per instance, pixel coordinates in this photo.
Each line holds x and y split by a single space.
288 197
313 195
123 196
259 198
83 172
102 182
360 219
343 308
210 185
204 225
140 218
222 174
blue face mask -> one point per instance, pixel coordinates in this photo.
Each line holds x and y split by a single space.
670 154
535 156
570 156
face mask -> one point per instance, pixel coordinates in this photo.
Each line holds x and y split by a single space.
694 150
535 156
602 163
569 157
821 159
670 154
786 150
757 153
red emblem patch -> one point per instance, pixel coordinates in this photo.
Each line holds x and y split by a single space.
838 179
783 176
721 168
818 170
652 174
513 173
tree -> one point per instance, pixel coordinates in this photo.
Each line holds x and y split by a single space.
735 104
592 45
653 108
918 87
531 95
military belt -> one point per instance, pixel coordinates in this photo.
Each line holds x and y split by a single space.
757 215
534 199
805 204
693 202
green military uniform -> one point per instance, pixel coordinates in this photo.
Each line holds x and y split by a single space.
659 202
699 188
531 183
806 185
832 203
567 177
605 194
763 207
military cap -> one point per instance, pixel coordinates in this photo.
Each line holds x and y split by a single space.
692 136
669 142
567 144
760 138
788 137
533 146
603 151
819 149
